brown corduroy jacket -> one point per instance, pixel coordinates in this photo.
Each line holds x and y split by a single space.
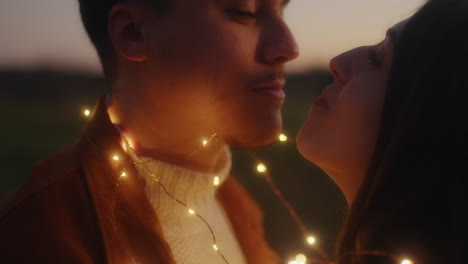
70 210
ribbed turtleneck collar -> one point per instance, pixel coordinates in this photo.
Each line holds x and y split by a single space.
194 188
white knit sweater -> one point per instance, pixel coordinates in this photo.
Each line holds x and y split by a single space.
189 238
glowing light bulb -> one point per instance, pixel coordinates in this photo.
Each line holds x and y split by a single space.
116 158
216 181
215 247
261 168
311 240
301 259
190 211
407 261
87 112
124 174
283 138
204 142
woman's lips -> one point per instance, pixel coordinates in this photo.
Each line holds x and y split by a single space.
322 100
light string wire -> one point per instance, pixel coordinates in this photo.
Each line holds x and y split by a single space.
205 142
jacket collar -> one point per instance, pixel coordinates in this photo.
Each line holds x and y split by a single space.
129 226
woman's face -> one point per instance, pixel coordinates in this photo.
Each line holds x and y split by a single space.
341 130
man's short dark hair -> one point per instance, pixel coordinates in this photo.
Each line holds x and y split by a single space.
95 13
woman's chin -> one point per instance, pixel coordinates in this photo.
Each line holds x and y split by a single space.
304 144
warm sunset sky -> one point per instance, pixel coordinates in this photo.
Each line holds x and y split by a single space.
42 32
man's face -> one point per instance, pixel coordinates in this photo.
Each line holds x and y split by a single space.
217 66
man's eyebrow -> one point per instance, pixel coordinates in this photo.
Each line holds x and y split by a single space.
392 34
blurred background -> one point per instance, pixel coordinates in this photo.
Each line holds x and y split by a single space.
49 72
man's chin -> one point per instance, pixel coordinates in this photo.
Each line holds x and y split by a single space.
257 139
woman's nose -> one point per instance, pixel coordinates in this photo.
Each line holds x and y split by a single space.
341 66
336 68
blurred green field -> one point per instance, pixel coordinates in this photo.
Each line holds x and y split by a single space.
41 112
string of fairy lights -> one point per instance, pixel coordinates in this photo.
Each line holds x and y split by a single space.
262 169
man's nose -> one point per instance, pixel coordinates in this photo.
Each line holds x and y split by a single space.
279 45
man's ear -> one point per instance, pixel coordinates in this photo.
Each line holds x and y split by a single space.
125 33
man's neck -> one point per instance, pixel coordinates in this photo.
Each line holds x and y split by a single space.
183 147
207 159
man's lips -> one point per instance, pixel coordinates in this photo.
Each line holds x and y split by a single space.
272 89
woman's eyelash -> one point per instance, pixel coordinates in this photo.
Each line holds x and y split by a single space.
373 58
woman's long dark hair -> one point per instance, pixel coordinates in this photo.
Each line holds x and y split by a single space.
414 200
